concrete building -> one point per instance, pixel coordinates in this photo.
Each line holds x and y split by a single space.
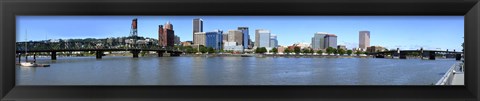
373 49
200 38
302 45
225 37
197 27
281 49
331 40
273 41
186 43
262 38
318 41
235 36
233 47
364 39
245 36
214 39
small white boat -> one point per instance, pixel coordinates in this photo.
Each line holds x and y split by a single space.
28 64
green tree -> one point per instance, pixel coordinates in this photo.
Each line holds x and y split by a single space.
305 51
358 53
330 50
286 51
203 49
349 52
319 52
296 50
312 51
257 50
274 50
261 50
341 51
211 50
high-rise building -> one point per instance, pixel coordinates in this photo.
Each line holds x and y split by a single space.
133 31
168 25
331 40
170 37
177 40
197 27
364 39
273 41
235 36
262 38
200 38
161 36
318 41
214 39
245 36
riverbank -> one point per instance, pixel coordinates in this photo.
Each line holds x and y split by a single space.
454 75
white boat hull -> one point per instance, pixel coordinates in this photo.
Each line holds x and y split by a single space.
28 64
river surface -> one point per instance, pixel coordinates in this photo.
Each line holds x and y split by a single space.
232 71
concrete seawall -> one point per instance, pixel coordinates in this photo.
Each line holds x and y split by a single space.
454 75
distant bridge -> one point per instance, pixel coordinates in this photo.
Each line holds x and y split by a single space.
99 51
426 54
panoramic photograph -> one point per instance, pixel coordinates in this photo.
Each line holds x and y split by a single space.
240 50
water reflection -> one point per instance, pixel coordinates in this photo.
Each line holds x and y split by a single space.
232 71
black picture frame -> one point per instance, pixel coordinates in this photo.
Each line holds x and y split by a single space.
11 8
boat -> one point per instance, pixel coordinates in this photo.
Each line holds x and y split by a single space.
29 63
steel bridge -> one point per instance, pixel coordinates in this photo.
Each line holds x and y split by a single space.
99 52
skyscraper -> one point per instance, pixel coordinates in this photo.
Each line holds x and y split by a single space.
235 36
245 36
161 36
262 38
331 41
214 39
318 41
364 39
200 38
273 41
166 36
177 40
133 31
168 25
197 27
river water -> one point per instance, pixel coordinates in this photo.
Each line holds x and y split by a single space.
232 71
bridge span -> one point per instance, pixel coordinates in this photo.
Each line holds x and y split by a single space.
99 52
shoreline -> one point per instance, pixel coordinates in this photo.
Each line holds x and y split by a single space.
233 55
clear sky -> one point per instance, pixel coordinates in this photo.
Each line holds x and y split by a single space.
404 32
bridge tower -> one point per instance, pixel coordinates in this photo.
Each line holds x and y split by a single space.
133 30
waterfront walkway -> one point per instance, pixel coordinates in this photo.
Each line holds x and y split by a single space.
454 76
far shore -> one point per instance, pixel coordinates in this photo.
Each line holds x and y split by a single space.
237 55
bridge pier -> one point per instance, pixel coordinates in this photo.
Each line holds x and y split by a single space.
135 53
99 54
53 56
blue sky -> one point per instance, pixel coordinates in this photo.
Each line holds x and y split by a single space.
405 32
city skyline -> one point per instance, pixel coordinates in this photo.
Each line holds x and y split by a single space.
405 32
